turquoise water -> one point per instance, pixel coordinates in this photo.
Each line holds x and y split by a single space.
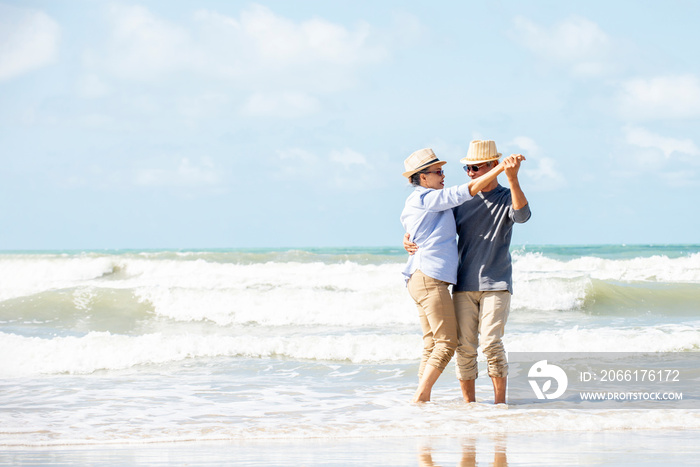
610 251
381 254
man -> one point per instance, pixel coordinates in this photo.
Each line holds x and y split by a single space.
484 279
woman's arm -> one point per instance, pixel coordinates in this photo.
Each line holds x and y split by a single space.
478 184
408 245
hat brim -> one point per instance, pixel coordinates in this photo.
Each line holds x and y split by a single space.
411 172
466 160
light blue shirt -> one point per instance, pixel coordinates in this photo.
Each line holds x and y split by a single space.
428 218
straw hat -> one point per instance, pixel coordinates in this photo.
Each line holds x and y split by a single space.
481 151
419 160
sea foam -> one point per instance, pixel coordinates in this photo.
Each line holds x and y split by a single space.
105 351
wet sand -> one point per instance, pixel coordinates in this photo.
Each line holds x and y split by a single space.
611 448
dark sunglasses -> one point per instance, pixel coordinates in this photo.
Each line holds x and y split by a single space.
439 172
474 168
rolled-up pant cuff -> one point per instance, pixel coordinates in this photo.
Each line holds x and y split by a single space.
481 316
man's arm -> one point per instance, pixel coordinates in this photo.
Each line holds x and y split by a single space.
512 166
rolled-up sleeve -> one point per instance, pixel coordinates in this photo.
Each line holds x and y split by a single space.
521 215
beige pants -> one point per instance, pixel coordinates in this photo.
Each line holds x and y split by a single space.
437 320
481 315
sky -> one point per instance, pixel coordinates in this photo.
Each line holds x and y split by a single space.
285 124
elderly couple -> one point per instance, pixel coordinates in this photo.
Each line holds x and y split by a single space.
477 263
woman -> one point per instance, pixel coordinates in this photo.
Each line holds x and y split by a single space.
428 219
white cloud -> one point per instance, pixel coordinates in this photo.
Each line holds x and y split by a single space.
542 172
348 158
544 176
276 41
144 46
28 41
576 43
184 175
276 66
289 105
527 145
297 154
645 139
342 169
349 171
664 97
294 163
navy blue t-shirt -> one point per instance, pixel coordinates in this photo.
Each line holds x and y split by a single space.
485 226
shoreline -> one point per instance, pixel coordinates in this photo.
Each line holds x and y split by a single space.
609 447
354 249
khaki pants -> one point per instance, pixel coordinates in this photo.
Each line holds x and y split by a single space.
481 316
437 320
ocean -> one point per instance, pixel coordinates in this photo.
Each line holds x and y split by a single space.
141 355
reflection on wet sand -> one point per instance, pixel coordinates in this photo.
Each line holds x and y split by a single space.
469 454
